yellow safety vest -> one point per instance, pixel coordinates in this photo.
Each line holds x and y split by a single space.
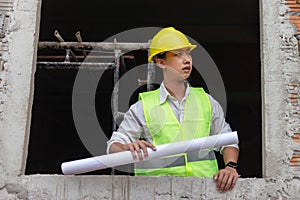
164 128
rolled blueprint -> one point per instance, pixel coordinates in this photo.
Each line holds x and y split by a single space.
125 157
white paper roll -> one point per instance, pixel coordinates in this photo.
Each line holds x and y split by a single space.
125 157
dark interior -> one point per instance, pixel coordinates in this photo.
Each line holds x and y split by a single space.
228 30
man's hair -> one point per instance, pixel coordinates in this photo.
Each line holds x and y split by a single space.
160 55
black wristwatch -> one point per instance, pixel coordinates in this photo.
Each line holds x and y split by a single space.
232 164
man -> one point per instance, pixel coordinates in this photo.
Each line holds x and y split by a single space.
175 112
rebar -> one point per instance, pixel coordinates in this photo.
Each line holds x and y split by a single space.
59 37
79 39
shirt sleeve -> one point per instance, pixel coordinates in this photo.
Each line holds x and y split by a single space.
132 127
218 124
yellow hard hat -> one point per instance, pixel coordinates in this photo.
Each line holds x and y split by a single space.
168 39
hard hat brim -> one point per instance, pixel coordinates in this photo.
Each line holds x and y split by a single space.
150 58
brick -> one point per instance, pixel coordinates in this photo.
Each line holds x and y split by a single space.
296 138
295 162
294 6
295 10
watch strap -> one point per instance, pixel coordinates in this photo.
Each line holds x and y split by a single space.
232 164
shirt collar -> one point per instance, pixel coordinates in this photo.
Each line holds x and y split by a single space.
164 94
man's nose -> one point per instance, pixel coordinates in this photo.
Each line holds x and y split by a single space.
187 57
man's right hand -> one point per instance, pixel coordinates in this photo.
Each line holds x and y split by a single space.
136 147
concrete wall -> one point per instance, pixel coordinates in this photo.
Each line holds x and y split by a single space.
20 38
281 127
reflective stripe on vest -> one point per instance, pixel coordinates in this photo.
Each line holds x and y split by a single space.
176 160
164 128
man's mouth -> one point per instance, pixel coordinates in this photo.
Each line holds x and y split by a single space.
186 68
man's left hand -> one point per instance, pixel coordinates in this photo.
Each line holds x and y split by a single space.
226 179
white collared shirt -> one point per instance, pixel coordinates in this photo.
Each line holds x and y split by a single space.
134 125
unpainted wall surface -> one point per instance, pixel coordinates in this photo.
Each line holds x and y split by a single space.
280 79
18 38
50 187
293 87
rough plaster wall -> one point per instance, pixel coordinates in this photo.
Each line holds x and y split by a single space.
289 57
5 8
17 78
293 87
280 78
17 40
48 187
167 188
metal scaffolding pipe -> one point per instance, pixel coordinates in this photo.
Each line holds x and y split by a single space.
79 57
151 73
75 65
107 46
115 95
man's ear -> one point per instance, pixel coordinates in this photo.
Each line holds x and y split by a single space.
160 63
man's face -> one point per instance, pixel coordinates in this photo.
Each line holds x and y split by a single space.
177 64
